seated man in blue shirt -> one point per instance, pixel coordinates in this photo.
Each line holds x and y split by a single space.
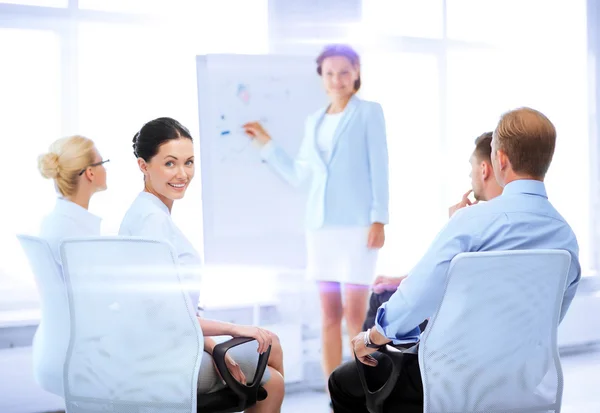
483 186
521 218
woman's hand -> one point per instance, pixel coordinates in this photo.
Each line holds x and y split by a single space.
256 131
376 236
262 336
233 368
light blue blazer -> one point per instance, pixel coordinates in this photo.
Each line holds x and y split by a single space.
352 189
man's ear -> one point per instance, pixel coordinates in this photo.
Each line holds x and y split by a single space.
486 170
503 161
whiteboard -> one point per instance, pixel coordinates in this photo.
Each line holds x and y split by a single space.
250 215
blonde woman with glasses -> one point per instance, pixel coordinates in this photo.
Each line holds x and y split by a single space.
77 169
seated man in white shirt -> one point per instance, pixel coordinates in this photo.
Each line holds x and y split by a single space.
522 150
483 186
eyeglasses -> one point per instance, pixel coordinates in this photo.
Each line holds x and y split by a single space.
94 164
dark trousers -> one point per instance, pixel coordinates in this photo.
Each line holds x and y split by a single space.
348 396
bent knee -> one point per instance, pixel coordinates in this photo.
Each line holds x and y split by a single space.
345 376
275 386
333 379
275 341
276 348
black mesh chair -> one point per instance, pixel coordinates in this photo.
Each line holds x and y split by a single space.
237 397
393 358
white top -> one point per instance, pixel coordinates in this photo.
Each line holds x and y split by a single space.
68 220
51 338
149 217
326 133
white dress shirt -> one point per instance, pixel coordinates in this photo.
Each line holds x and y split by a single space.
68 220
51 338
149 217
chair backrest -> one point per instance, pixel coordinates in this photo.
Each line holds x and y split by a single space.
491 346
136 343
52 336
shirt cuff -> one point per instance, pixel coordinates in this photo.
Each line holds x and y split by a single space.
378 319
267 150
413 336
379 216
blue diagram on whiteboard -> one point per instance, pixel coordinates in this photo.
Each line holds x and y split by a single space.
243 94
250 215
238 103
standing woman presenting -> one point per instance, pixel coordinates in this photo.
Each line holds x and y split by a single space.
344 156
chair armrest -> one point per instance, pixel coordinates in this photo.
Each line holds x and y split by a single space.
376 399
248 393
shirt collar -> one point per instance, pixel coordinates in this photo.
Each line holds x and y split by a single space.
78 213
154 200
525 186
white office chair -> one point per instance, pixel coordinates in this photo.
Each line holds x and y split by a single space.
491 347
52 335
136 344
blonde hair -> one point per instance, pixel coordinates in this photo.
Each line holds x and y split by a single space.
65 159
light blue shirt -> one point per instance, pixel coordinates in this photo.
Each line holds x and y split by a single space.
520 218
350 188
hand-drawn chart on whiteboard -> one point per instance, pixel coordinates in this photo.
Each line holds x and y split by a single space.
250 215
262 98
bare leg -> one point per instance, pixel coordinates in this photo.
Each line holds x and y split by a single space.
331 335
356 299
276 356
275 390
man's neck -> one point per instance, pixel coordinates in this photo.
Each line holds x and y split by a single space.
516 177
493 192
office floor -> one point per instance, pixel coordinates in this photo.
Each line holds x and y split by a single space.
19 394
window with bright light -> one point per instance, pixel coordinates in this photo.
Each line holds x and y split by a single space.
224 26
45 3
537 23
129 75
406 85
481 85
552 78
30 107
133 6
234 26
423 18
126 75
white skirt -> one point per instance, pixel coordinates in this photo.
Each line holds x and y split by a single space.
340 254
